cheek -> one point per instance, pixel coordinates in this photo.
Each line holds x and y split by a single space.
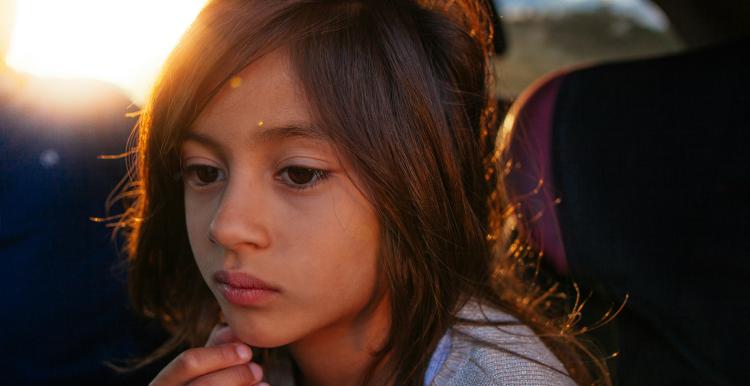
199 213
336 246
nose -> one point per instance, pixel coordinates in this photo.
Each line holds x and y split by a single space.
240 221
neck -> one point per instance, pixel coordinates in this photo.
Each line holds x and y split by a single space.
341 354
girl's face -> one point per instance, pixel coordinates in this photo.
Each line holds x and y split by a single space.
269 203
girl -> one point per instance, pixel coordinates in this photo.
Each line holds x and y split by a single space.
313 180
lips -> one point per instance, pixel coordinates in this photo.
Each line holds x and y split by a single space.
242 289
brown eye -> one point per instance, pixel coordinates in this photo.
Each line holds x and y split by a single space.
206 174
202 175
302 178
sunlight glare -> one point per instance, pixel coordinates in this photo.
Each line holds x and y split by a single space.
122 42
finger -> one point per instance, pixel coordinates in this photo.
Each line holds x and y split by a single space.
243 375
221 334
195 362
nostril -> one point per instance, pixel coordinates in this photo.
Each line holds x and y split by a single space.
212 239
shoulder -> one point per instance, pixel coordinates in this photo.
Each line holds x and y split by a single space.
510 354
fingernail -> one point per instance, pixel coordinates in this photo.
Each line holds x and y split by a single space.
256 370
243 352
263 384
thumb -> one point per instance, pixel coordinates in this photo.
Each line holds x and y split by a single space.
221 334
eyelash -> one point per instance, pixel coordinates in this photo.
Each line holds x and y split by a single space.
189 174
319 175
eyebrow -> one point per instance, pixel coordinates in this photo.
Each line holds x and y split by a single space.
270 134
291 130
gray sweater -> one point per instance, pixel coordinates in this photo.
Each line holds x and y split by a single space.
520 358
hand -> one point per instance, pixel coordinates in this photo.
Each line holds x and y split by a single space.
224 361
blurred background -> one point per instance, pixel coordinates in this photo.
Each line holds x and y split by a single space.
546 35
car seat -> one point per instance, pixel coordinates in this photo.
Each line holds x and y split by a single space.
633 178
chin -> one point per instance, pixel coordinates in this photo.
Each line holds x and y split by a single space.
254 339
257 334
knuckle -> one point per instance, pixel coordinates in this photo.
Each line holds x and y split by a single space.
188 361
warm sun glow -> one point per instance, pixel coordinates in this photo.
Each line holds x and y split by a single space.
122 42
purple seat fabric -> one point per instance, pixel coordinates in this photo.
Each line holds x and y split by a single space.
530 181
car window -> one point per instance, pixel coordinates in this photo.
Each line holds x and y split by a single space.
547 35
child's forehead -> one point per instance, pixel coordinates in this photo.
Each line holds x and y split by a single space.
264 94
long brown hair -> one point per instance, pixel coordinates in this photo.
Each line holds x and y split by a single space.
403 89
